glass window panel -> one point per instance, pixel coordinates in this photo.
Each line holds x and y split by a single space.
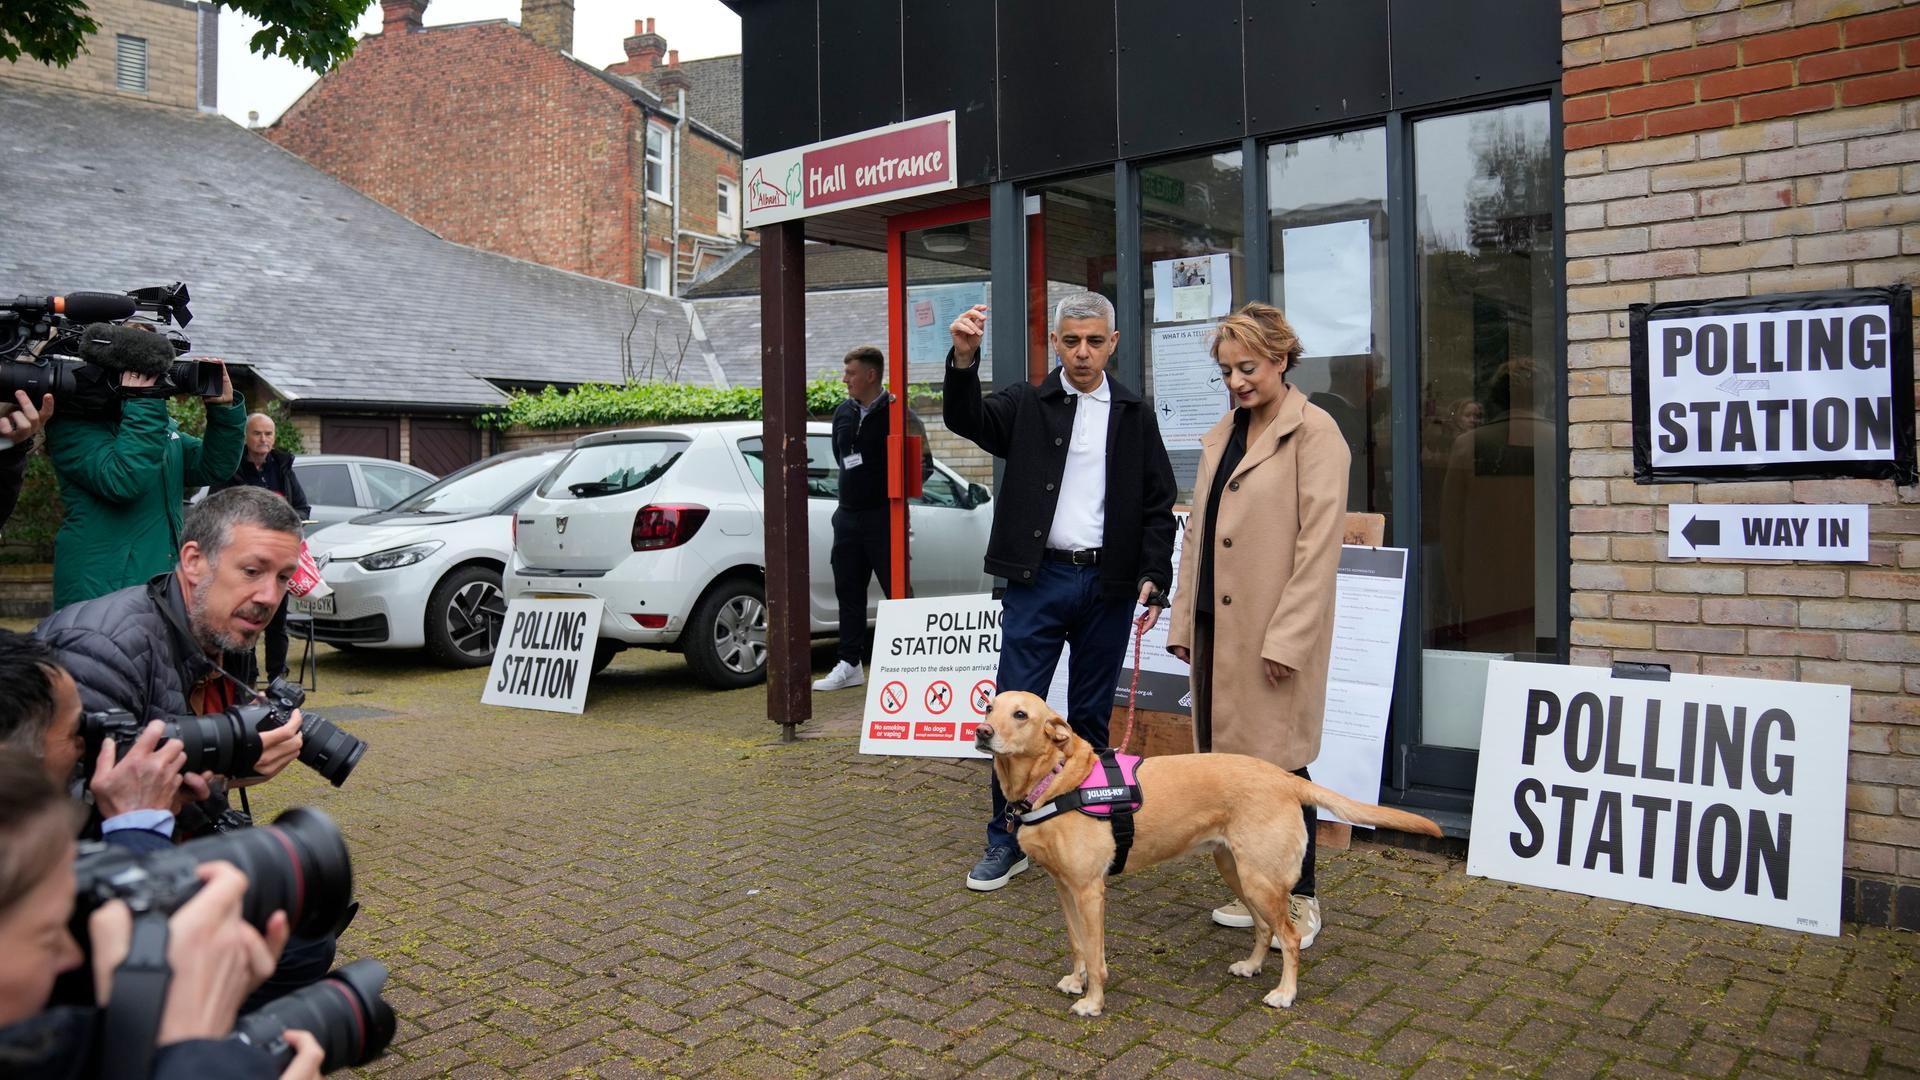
326 485
1075 233
1327 216
1489 474
1189 209
386 486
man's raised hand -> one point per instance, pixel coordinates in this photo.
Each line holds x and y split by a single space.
967 332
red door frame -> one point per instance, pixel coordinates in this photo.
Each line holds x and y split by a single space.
903 450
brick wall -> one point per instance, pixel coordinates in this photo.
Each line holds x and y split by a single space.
485 137
172 33
1717 149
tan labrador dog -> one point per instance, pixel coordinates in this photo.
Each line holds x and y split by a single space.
1244 810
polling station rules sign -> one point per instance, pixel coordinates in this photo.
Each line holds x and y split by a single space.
1797 386
1725 797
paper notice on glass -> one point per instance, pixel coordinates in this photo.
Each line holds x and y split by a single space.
1192 287
930 310
1366 645
1329 287
1188 396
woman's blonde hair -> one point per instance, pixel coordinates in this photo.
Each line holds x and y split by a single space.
1261 329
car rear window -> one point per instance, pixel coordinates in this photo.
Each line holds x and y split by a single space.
593 472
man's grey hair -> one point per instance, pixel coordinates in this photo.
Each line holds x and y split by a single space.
251 417
1083 305
211 523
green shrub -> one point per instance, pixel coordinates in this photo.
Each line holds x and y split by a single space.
27 536
191 414
602 406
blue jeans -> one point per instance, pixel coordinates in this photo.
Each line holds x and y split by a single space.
1064 605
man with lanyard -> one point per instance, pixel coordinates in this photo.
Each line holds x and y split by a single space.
1084 525
265 466
862 547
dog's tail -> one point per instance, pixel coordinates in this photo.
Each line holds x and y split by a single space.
1361 813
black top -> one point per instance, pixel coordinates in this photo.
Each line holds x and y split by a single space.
862 486
1229 461
276 475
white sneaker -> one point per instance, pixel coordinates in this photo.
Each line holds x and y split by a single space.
1305 913
842 676
1234 913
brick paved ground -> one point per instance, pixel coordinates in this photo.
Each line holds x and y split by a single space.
659 888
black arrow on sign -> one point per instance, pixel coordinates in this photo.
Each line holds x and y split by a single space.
1701 532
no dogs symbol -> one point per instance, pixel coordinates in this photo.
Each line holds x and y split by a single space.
893 697
982 696
939 696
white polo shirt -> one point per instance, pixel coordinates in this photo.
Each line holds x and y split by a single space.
1080 517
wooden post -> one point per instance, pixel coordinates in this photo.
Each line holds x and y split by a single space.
783 379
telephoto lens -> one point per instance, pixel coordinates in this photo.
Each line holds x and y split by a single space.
324 746
227 742
344 1012
298 865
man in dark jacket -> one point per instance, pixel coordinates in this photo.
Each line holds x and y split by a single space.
1084 527
264 466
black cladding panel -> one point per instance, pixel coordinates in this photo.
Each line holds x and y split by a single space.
1462 48
1313 62
779 75
1180 70
859 65
1057 101
948 60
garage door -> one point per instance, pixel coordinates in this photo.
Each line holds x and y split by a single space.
442 445
371 436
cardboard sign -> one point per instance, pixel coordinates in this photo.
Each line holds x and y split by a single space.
877 165
1725 797
1761 531
545 656
934 664
1797 386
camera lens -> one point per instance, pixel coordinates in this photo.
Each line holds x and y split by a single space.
298 865
343 1011
221 742
328 750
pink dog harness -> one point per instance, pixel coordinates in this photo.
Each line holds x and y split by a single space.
1111 792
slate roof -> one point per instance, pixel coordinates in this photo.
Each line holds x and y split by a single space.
836 322
829 266
713 91
327 294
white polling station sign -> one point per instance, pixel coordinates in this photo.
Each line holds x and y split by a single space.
1725 797
545 656
1814 533
934 663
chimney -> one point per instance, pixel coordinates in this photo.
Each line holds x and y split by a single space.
400 16
672 77
549 22
644 50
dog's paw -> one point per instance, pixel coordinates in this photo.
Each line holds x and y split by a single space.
1072 984
1243 968
1278 1000
1086 1007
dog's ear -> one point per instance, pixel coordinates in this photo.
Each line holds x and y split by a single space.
1058 731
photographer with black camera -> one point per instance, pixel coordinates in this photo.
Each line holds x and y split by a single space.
212 957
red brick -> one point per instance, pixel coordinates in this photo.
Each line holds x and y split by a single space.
1900 84
1807 39
1658 96
1840 65
1747 80
1714 114
1605 76
1693 61
1801 99
1618 130
1904 22
1910 52
1582 109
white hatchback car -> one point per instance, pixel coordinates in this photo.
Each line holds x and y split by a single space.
425 573
665 525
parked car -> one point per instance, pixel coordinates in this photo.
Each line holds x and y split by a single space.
665 525
425 572
343 486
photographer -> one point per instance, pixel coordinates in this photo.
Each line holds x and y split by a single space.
125 473
18 426
214 956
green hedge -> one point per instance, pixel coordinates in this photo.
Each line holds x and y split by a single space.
599 406
191 414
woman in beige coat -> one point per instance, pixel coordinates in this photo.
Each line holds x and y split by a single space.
1253 613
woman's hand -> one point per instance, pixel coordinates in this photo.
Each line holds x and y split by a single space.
1276 672
1180 653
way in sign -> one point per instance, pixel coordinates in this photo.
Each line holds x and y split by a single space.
1822 533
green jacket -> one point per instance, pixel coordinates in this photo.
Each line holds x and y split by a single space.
124 484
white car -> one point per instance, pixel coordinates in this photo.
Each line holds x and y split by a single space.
665 525
425 573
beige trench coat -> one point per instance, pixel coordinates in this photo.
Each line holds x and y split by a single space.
1276 552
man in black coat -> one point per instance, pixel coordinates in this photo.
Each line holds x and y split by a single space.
1084 528
264 466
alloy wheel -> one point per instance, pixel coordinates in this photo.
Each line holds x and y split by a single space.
740 635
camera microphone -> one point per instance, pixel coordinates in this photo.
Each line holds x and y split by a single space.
119 347
80 307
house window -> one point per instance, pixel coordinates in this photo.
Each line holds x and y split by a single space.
658 158
728 212
130 64
654 278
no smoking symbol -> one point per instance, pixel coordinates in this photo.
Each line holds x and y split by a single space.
982 696
893 697
939 697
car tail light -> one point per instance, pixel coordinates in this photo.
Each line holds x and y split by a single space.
657 526
651 622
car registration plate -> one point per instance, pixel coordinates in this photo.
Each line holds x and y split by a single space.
314 605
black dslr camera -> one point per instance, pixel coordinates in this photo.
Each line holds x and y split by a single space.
298 865
228 742
90 341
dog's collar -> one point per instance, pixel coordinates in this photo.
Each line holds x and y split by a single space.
1021 808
